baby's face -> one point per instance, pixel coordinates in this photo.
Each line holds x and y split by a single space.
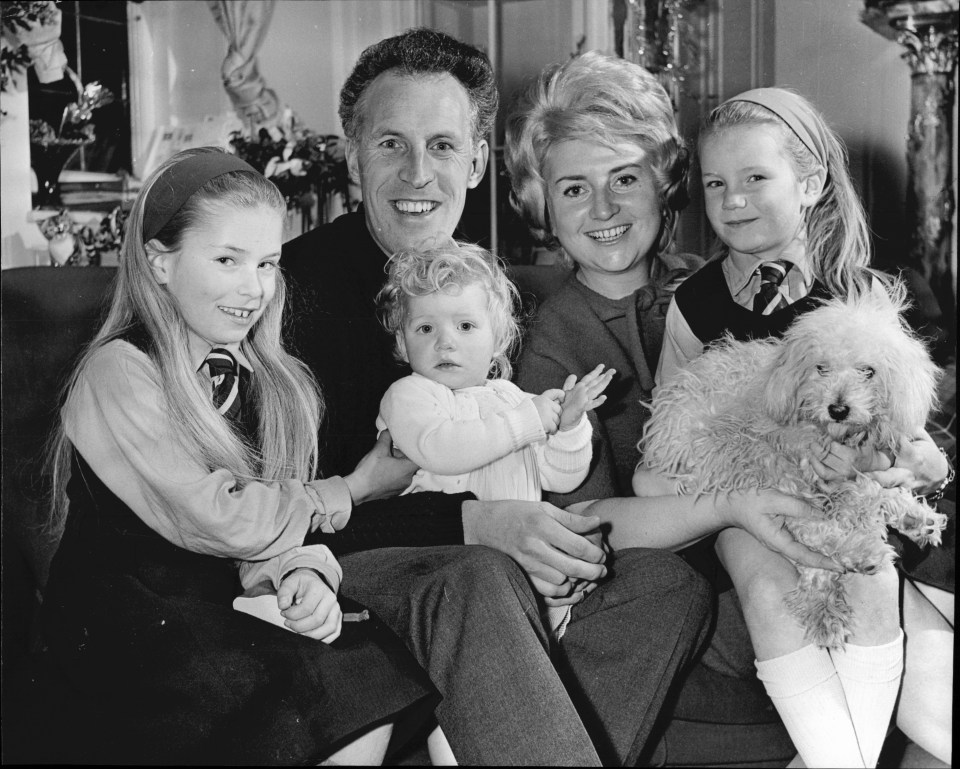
448 336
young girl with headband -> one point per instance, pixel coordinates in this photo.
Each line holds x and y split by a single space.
187 444
792 231
458 416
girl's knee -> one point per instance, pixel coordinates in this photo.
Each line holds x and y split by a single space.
764 591
874 600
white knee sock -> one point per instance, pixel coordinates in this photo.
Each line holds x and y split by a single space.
870 676
807 693
925 713
441 754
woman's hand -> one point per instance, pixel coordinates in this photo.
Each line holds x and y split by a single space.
309 606
763 514
920 466
584 395
380 473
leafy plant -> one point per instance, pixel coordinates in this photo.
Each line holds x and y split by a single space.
302 163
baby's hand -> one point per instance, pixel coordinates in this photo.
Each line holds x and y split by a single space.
309 606
548 406
584 395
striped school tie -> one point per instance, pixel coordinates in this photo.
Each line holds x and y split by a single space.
773 295
225 376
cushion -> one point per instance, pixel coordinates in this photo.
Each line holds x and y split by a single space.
48 315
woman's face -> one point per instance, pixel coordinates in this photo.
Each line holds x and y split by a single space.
604 209
224 274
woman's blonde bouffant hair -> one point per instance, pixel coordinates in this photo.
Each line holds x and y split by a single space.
838 237
597 98
282 389
453 266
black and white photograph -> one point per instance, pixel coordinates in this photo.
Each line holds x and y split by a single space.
478 382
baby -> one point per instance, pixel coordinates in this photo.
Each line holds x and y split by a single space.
458 416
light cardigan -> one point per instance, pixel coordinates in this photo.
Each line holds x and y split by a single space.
488 440
116 418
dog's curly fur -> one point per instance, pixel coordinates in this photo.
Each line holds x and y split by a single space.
747 415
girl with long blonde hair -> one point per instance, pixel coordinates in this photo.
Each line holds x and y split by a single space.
187 446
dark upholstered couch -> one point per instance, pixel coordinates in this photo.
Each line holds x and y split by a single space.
48 314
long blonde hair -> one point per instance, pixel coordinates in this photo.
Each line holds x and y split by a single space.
838 237
282 389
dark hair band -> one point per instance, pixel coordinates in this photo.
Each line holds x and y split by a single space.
177 184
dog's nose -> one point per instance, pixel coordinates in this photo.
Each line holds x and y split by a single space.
838 412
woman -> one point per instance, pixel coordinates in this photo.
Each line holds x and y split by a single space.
187 444
599 170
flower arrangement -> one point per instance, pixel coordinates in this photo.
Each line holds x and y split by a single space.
50 149
306 167
75 126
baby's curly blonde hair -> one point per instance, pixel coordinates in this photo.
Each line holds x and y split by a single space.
452 266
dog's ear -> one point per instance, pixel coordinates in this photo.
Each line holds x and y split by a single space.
908 380
781 394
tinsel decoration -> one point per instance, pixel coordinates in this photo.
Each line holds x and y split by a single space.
662 36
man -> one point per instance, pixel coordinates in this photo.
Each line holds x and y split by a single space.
415 112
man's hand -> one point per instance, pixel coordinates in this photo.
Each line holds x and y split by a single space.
579 589
380 474
309 606
548 543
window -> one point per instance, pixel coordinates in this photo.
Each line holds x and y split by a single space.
94 36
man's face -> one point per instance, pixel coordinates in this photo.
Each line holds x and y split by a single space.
415 159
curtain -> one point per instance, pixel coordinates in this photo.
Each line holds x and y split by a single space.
245 24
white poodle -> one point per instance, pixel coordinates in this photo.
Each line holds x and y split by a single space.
749 414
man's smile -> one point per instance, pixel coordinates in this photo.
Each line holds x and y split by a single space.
415 206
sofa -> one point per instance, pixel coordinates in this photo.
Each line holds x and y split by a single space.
47 315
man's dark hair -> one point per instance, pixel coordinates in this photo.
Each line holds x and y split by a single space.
423 51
